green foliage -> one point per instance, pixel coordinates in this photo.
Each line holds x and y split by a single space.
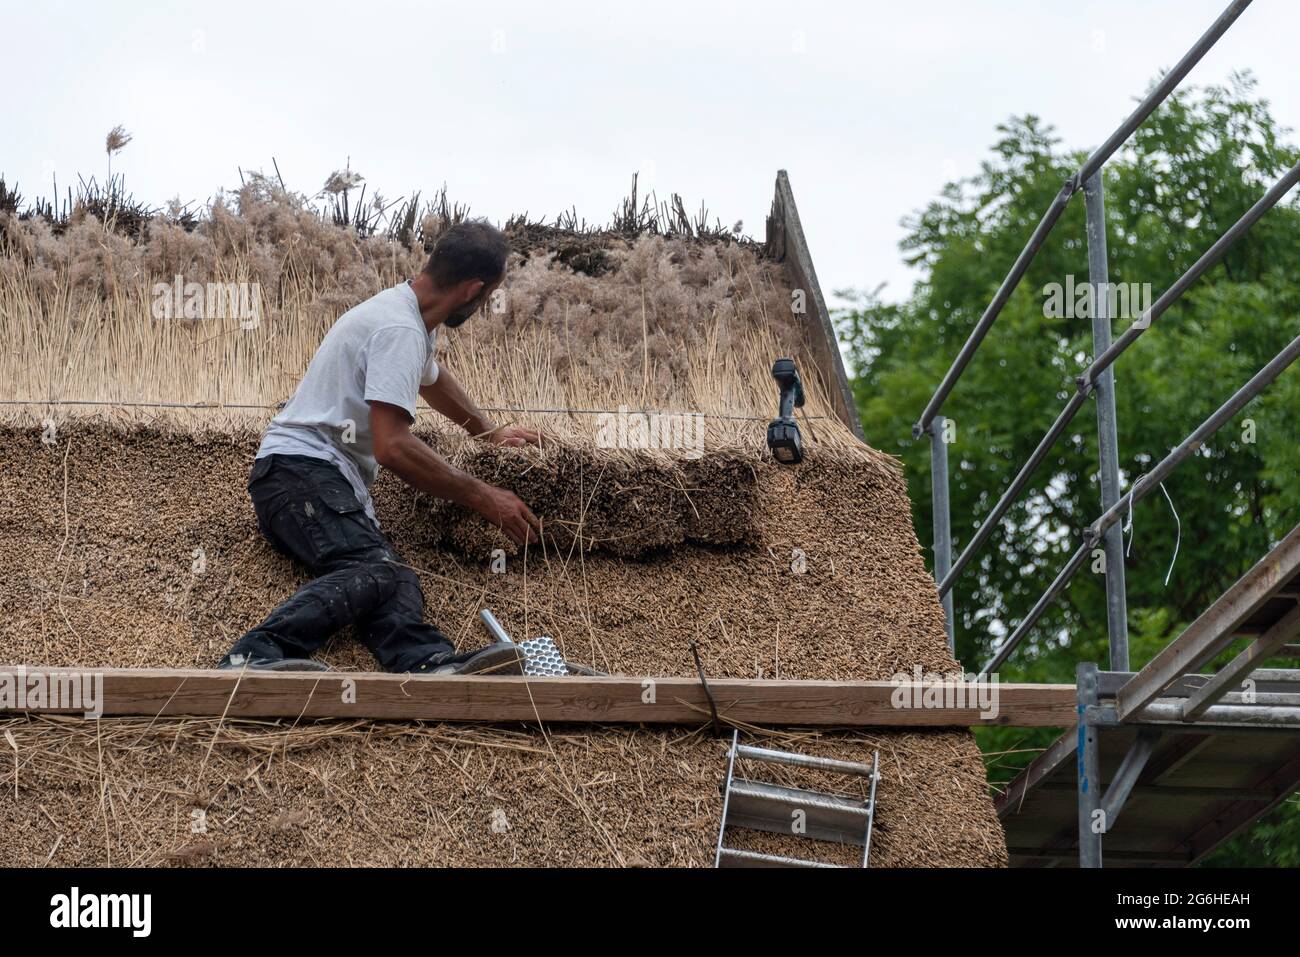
1189 173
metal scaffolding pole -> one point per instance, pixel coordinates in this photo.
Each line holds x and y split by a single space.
1091 825
1107 434
1144 485
1087 380
1150 481
1094 162
942 518
1210 257
1127 775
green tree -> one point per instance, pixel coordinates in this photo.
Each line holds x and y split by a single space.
1188 174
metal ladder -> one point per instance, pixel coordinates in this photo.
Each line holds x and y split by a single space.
771 807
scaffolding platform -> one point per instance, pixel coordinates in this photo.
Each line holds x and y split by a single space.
1189 759
1201 785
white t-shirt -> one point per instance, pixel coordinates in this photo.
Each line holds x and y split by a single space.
378 351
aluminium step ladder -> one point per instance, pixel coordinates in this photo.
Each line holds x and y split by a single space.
764 806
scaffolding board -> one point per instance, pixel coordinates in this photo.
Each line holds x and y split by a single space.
1174 763
1199 788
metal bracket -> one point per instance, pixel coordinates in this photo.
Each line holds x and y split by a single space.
763 806
1126 776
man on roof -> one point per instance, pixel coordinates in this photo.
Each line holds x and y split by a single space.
351 413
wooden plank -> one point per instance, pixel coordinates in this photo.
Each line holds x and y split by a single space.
1177 755
1214 630
1237 670
786 243
1064 843
1181 792
1069 857
1230 820
1046 764
1184 820
147 691
1267 681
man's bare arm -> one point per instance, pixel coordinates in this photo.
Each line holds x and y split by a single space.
447 396
422 468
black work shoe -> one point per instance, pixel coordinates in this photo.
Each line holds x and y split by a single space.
253 663
503 658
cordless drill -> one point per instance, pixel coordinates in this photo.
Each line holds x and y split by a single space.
783 432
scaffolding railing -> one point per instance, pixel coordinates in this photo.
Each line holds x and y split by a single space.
1164 698
1144 484
1091 166
1098 378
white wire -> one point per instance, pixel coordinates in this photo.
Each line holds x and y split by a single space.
1179 540
1128 527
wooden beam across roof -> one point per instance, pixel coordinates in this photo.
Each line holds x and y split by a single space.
601 700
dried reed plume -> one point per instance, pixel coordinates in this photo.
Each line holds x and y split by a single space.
114 143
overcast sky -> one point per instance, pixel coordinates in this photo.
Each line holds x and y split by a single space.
871 106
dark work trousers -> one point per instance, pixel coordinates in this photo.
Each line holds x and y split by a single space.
307 510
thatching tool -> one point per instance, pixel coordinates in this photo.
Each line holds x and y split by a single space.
783 432
759 805
542 658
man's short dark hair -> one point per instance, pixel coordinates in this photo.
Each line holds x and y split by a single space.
474 249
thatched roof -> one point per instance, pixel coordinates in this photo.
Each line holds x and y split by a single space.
652 550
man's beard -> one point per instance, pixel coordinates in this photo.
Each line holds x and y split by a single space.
459 316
